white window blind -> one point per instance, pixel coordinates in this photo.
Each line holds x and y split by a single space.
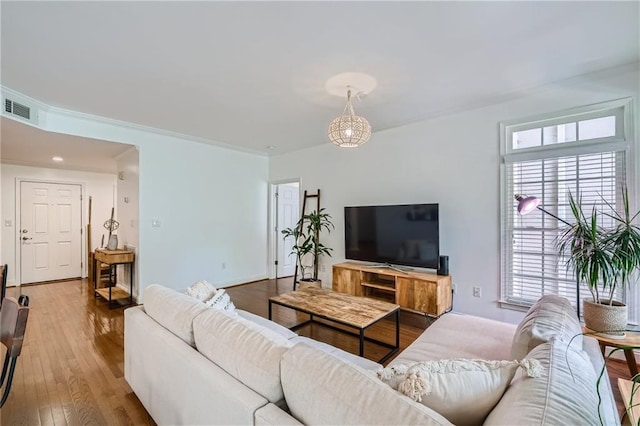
584 152
532 265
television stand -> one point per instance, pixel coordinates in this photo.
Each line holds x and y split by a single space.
422 292
390 266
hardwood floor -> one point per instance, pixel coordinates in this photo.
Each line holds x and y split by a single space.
71 370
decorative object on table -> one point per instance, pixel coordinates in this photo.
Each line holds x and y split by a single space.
349 130
307 245
112 225
102 241
603 258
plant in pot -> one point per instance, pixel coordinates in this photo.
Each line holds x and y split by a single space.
603 258
307 246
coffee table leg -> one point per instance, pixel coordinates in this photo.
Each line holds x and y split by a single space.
398 329
362 342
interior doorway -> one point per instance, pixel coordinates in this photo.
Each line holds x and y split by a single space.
50 231
287 213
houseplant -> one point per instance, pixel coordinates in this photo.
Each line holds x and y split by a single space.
307 246
603 258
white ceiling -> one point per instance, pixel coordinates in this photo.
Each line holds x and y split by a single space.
252 74
27 145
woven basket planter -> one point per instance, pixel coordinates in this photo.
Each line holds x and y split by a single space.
605 318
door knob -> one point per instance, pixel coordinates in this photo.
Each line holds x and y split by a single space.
25 238
24 231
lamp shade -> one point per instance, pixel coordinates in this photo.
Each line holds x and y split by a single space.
349 130
526 204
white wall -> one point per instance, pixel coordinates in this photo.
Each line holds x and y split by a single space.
452 160
211 203
128 208
100 186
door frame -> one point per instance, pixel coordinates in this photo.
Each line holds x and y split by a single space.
272 223
18 227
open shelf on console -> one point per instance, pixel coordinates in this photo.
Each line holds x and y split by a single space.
379 281
380 294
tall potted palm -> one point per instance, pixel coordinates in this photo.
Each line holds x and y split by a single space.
307 246
603 258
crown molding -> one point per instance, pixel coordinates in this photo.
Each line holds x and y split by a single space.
125 125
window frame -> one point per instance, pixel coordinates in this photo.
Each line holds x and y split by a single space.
621 141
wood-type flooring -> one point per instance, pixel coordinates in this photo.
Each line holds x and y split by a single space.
71 370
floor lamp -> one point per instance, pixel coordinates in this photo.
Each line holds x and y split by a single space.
528 204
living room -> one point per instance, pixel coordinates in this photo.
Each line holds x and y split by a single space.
211 199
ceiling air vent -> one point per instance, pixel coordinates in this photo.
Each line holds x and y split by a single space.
17 109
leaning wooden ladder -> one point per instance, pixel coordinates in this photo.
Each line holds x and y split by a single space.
302 213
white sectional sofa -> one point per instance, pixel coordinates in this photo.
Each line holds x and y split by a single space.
190 364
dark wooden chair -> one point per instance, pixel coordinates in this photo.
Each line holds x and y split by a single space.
13 323
3 280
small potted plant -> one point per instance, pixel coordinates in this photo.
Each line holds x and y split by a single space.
307 245
603 258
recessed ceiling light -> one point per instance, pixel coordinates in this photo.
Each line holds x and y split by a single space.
271 147
58 159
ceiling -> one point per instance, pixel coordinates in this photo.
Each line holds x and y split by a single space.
30 146
253 74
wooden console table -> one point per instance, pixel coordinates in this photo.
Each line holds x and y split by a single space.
416 291
113 258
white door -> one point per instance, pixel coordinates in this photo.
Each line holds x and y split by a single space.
50 231
288 196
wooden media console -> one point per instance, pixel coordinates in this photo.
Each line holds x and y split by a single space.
416 291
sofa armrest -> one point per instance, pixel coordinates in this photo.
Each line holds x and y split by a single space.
178 385
270 414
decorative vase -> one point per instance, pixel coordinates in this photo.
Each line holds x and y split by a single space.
605 318
113 242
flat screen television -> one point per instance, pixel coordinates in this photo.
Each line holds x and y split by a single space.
405 234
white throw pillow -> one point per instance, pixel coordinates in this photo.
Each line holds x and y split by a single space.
221 300
464 391
201 290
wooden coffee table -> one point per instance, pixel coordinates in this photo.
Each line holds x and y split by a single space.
355 312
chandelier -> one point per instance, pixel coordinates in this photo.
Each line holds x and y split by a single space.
349 130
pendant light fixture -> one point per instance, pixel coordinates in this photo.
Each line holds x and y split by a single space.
349 130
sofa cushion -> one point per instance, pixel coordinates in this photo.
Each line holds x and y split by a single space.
462 390
361 362
460 336
322 389
551 316
173 310
273 326
565 393
247 351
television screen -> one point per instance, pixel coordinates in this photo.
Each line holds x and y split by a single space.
397 234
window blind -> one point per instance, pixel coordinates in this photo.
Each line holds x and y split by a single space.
532 266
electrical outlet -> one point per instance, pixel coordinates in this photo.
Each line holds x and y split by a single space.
477 292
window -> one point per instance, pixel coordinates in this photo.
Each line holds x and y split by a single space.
579 152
